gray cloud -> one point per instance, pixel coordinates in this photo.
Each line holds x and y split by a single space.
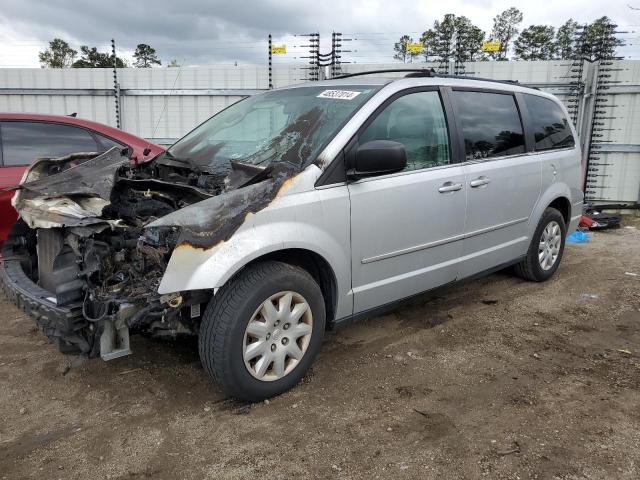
195 31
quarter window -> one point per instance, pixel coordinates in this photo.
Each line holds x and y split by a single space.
417 121
490 124
550 126
107 143
23 142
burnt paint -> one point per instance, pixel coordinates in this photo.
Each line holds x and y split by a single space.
93 178
207 223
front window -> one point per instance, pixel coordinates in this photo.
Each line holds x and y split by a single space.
290 125
417 121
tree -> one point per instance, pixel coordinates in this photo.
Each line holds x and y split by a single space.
92 58
452 38
565 40
145 56
58 55
505 29
400 49
535 42
173 63
428 40
599 40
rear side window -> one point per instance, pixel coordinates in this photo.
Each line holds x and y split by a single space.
491 124
550 126
417 121
22 142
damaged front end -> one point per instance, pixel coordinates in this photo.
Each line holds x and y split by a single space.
99 237
82 259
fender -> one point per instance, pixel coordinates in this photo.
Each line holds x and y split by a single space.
556 190
299 217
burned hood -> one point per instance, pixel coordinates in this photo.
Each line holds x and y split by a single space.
211 221
71 190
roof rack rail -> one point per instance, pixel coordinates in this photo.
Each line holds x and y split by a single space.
417 72
423 72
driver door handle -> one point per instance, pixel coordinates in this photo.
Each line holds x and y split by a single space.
450 187
479 182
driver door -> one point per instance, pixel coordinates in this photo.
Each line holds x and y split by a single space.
407 227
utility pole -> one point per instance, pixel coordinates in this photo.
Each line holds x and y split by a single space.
116 85
602 118
270 63
314 56
336 53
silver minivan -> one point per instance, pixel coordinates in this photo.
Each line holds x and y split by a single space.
293 211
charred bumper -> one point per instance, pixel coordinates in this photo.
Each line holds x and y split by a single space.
64 326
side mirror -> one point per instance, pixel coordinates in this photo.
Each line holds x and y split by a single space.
378 157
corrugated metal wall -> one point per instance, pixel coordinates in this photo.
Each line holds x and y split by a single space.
163 104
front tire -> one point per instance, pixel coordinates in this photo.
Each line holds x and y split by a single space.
261 331
546 248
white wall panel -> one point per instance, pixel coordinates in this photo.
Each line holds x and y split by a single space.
161 116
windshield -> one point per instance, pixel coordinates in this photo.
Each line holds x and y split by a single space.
288 125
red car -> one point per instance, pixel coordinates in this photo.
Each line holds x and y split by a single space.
26 136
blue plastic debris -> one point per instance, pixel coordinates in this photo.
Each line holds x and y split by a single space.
578 237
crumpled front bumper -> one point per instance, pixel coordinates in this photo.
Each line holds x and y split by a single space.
64 326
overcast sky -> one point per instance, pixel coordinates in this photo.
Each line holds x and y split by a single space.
203 32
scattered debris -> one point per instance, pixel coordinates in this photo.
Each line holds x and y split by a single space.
489 302
631 274
536 356
266 401
590 296
23 411
515 449
594 219
424 414
624 350
124 372
389 429
206 409
244 410
578 237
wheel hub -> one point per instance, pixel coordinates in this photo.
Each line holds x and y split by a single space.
277 336
549 246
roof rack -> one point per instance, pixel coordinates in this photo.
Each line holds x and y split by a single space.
423 72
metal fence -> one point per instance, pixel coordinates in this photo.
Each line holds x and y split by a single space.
162 104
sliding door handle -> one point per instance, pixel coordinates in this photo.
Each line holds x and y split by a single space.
479 182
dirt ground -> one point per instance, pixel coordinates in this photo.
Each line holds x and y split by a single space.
495 378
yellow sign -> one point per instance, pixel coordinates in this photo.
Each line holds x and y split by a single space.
415 47
491 46
279 49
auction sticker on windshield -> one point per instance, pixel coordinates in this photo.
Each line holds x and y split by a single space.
339 94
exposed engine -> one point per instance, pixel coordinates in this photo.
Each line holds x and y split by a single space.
94 247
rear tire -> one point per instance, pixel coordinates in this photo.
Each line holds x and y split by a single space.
546 248
260 311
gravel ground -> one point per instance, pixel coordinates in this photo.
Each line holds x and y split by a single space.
495 378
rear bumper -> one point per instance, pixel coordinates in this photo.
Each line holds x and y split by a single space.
64 326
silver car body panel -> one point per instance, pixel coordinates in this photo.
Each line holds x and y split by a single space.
393 236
